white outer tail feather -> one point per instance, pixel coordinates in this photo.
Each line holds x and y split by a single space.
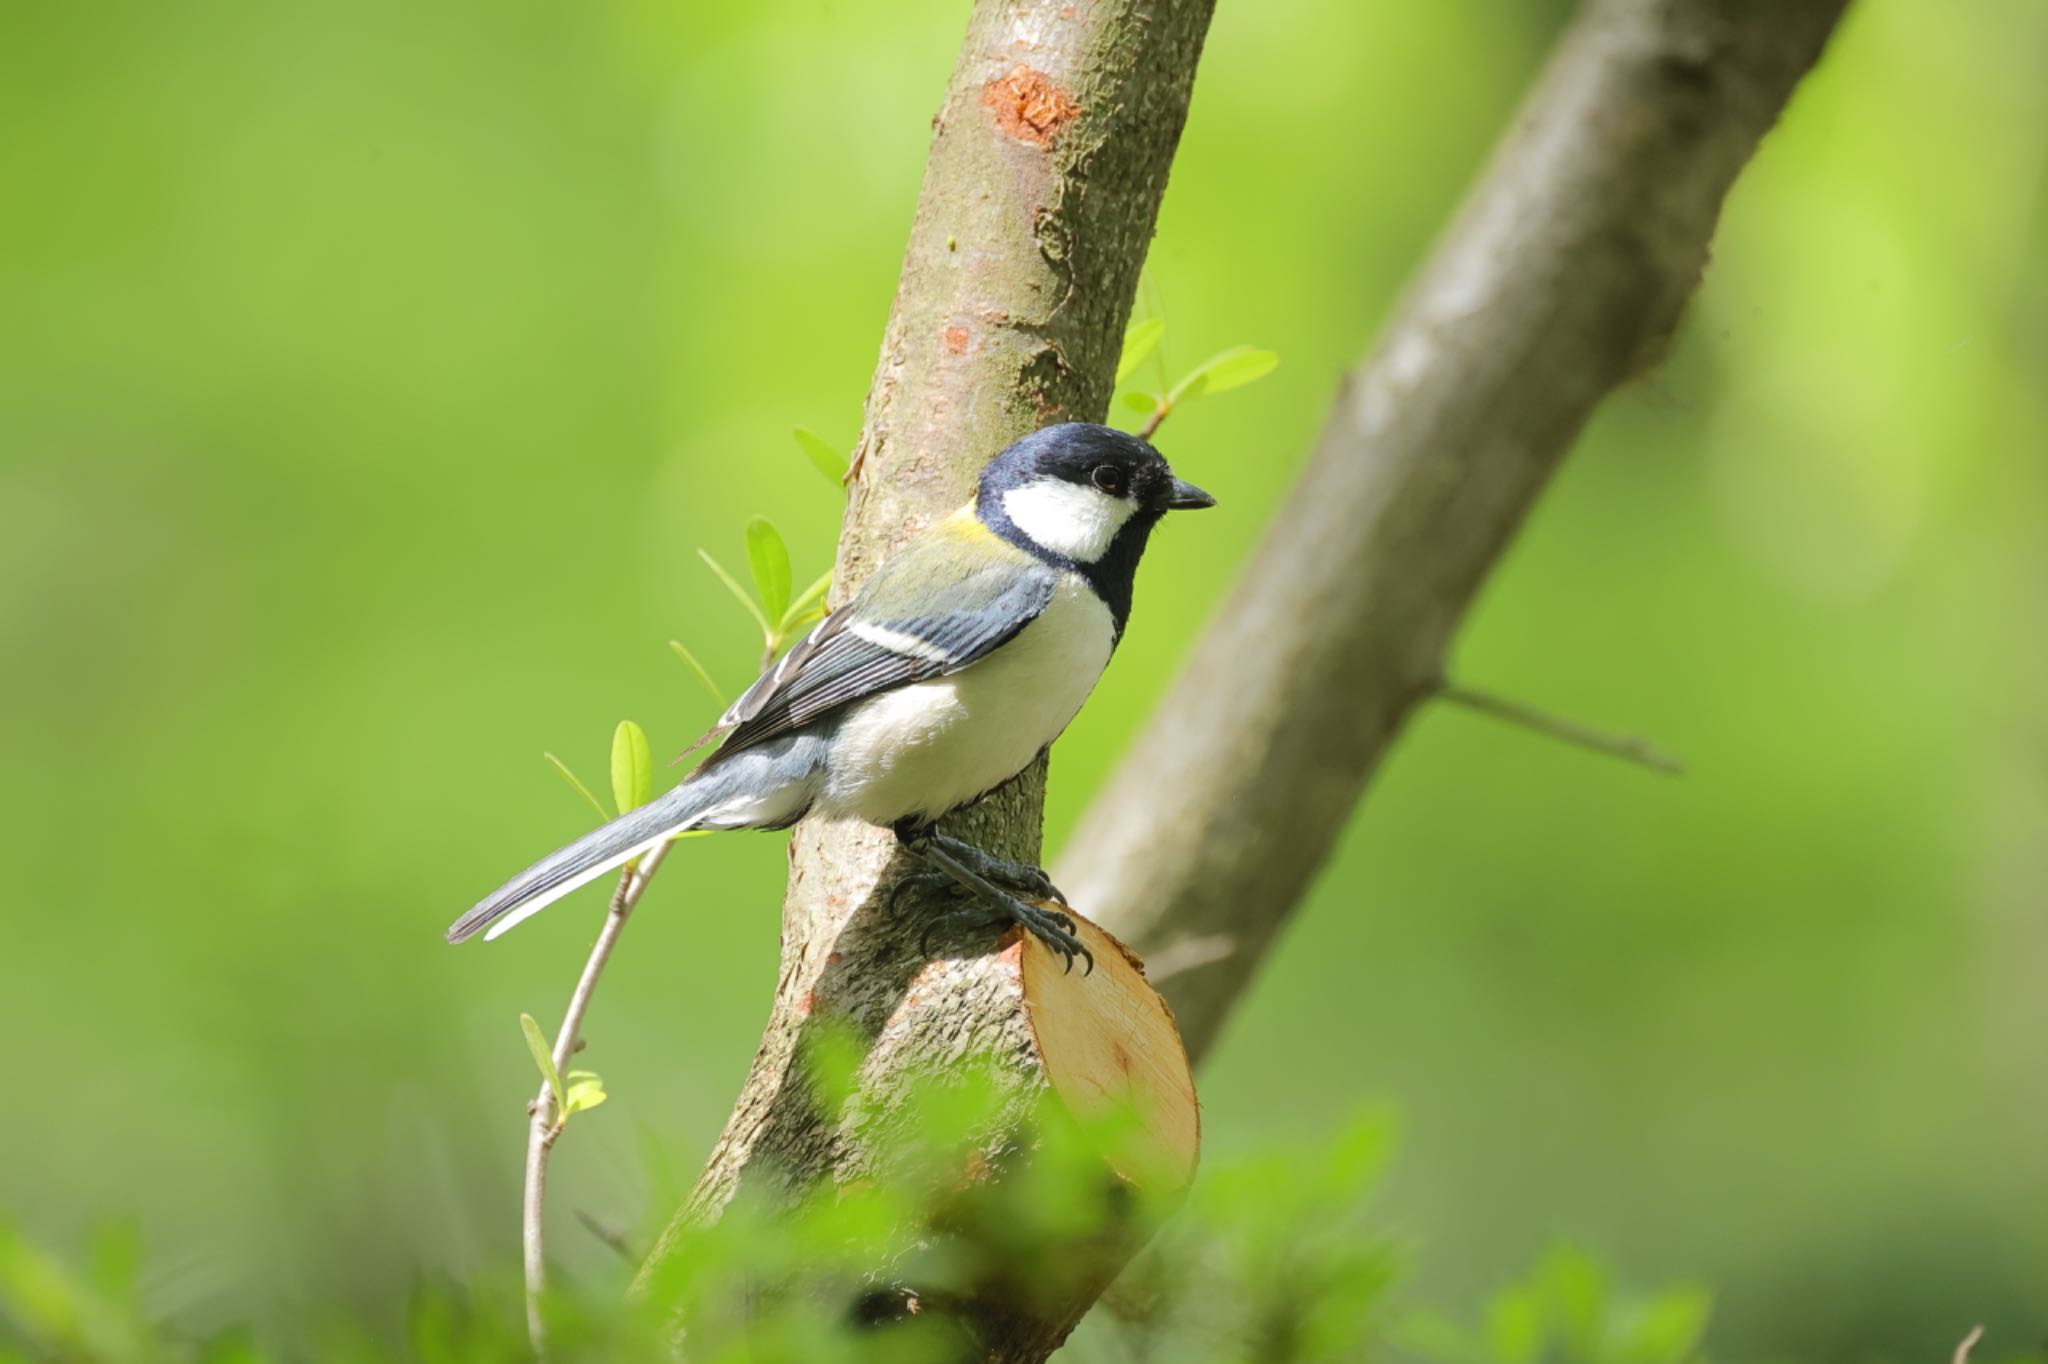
515 917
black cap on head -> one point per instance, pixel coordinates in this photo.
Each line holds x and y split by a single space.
1116 462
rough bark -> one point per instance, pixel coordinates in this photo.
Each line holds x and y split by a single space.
1049 157
1562 276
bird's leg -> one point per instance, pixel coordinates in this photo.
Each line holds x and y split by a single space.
1021 877
974 870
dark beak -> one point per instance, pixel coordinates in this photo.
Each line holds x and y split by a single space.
1187 497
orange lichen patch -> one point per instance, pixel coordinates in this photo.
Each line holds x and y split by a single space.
956 340
1029 106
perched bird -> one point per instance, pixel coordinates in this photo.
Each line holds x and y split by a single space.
957 662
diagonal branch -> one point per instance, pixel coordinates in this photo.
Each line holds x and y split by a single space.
1562 277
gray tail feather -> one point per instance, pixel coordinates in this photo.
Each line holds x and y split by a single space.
588 858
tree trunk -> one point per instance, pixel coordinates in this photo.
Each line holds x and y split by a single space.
1049 158
1562 277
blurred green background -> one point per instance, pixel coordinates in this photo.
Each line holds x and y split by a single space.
370 373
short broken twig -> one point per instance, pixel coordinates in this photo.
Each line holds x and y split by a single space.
1627 747
610 1235
1967 1344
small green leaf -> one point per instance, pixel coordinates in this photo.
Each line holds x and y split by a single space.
544 1057
820 453
577 783
769 558
1225 370
800 608
732 585
703 673
586 1091
1236 370
1139 342
1147 403
632 767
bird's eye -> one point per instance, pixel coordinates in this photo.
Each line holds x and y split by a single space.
1110 479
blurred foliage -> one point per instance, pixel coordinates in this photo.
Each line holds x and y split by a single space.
1272 1260
373 371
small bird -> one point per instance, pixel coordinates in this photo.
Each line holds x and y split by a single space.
957 662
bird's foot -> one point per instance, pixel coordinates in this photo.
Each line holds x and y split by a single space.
997 884
1049 926
1020 877
1055 930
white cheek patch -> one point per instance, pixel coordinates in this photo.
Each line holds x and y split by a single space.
1067 518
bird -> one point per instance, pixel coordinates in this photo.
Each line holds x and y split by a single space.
955 664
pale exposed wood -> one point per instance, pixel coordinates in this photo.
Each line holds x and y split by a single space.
1106 1040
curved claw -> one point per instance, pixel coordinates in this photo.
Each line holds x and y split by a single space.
1031 881
1046 890
1057 932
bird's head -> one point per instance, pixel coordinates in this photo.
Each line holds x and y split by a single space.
1082 493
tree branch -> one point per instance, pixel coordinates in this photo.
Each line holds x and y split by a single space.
1562 277
1049 157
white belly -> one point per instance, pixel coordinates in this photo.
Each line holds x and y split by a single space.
928 747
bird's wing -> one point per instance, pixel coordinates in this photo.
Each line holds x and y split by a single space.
941 604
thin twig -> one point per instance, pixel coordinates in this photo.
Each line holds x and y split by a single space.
1967 1344
1153 422
1627 747
546 1124
610 1235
